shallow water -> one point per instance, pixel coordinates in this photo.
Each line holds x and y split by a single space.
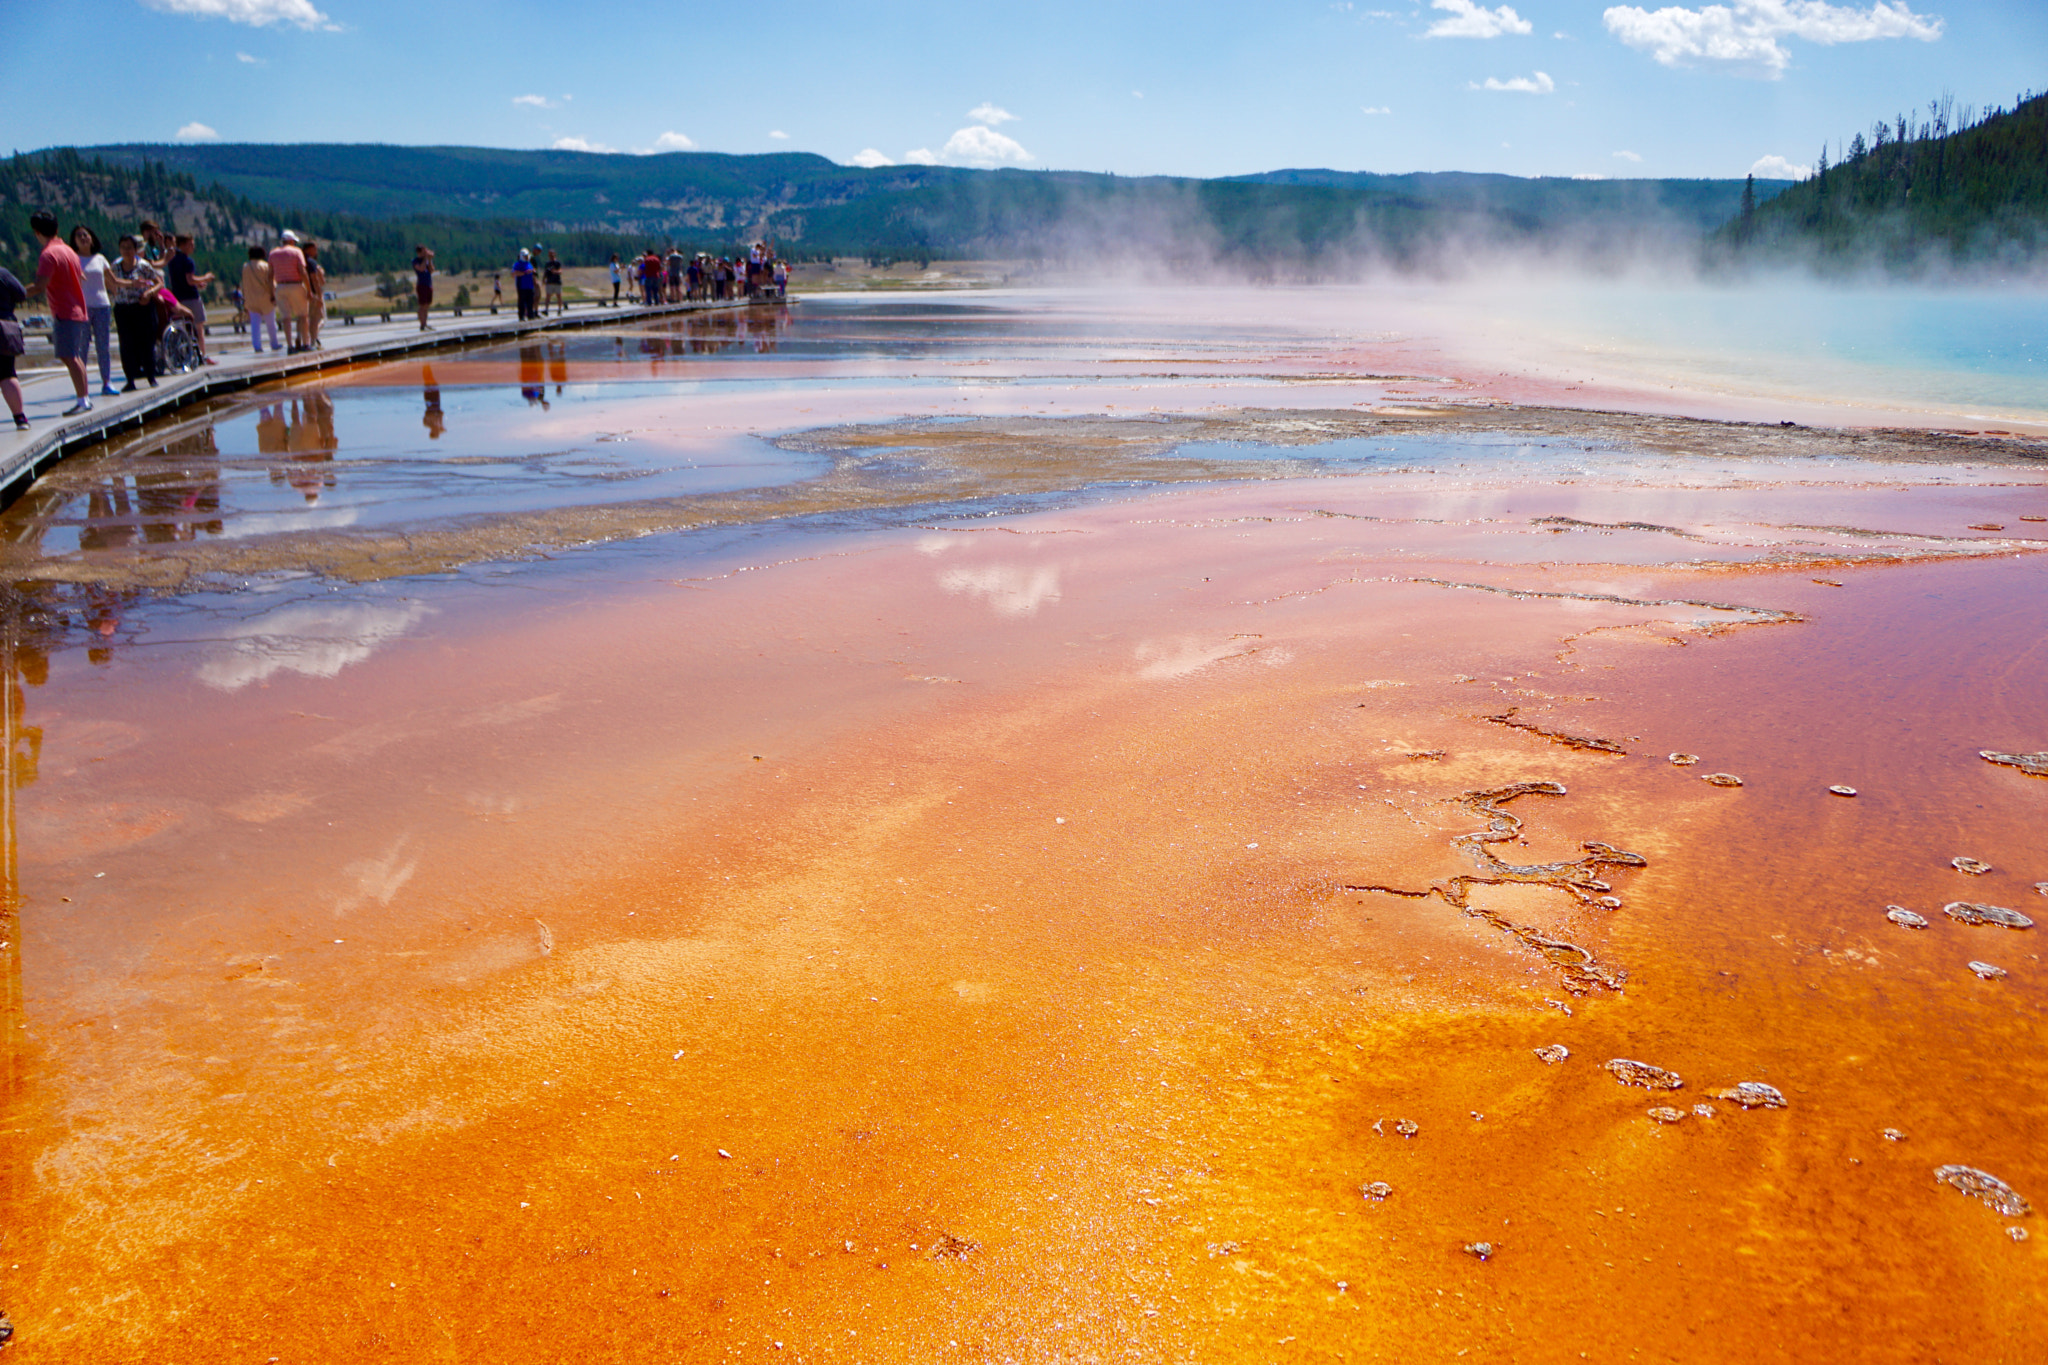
1021 926
1970 352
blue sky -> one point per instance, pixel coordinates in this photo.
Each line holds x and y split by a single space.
1537 88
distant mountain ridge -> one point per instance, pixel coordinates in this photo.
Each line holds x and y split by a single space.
1700 204
662 193
817 205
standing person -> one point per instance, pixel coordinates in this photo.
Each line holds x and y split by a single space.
523 284
675 264
497 290
781 278
59 280
12 345
152 243
134 284
423 281
551 281
617 279
693 278
259 296
99 307
316 294
186 282
288 278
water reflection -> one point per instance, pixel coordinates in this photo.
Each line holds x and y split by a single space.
325 458
1009 589
174 496
759 330
433 419
298 435
24 662
317 641
532 381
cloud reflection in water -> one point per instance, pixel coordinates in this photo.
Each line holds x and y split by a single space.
318 641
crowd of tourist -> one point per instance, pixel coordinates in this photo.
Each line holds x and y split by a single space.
91 300
676 278
152 283
283 292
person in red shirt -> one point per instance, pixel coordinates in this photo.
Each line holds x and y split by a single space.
59 279
288 276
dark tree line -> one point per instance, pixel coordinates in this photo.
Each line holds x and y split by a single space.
113 198
1950 186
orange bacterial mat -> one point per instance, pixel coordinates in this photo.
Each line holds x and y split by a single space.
1204 926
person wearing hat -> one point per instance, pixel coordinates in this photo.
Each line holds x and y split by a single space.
524 280
288 279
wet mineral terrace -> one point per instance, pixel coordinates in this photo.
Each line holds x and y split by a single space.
1295 879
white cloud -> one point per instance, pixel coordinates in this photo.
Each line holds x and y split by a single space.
247 60
1368 109
979 146
920 156
534 101
1778 168
1538 84
1628 156
674 142
1137 94
1746 34
196 132
871 158
579 144
255 13
779 135
991 114
1469 20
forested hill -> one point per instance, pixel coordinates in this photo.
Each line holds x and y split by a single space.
1558 202
1915 194
113 198
1287 221
663 193
370 202
813 207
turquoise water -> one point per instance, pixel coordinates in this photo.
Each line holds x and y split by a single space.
1970 351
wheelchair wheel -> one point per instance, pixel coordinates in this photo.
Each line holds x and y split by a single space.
177 351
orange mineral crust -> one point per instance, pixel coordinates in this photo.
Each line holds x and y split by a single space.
1195 927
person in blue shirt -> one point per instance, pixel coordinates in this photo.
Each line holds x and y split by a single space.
524 280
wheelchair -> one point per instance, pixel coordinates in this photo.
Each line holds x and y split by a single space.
177 348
